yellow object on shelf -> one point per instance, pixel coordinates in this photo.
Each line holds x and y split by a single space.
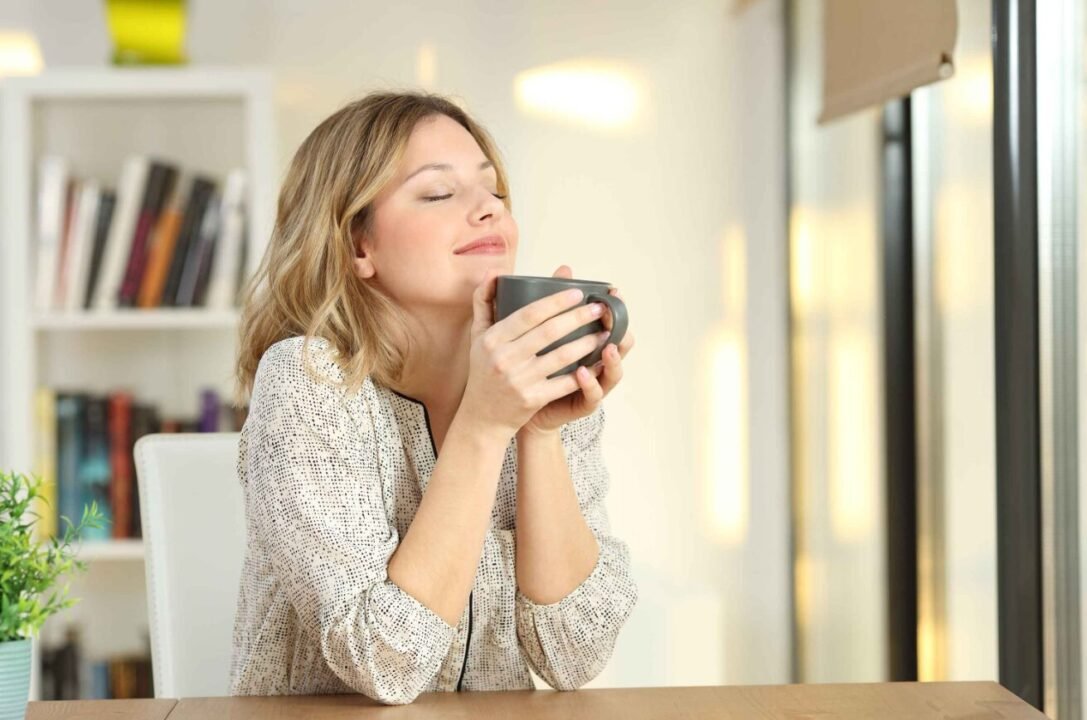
147 32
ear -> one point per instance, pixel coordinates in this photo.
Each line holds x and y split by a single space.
363 265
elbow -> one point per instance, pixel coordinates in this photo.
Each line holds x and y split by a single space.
394 694
581 676
388 687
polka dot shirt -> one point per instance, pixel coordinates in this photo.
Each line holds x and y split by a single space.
332 481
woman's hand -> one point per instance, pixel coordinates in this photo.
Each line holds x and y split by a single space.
508 382
595 384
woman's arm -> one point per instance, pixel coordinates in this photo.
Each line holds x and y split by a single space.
438 557
556 550
569 640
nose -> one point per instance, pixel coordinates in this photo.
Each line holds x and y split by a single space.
487 206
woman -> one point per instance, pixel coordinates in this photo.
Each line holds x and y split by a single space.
424 508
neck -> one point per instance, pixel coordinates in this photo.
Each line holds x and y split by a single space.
437 372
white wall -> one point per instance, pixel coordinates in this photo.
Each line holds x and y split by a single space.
667 208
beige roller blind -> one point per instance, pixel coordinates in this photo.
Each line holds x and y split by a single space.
879 50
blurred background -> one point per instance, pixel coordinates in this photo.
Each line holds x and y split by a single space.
846 444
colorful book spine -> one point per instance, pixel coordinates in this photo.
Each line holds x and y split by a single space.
119 240
120 431
70 418
106 202
160 185
94 466
45 419
188 236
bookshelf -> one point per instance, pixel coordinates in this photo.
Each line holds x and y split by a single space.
209 120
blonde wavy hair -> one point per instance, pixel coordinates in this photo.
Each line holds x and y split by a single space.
305 283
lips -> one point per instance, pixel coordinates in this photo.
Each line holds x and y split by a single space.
491 241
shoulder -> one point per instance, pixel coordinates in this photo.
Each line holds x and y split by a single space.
300 372
287 359
300 386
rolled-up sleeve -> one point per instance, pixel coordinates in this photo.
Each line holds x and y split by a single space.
569 642
314 495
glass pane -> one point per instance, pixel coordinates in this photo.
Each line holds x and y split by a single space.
836 335
953 239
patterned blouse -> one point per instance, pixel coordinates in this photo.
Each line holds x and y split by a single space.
332 481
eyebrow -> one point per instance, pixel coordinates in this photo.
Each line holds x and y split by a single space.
443 166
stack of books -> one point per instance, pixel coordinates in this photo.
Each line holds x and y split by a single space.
160 239
84 454
68 675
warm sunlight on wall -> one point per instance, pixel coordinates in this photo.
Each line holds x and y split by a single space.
853 443
19 54
426 66
726 440
972 101
586 92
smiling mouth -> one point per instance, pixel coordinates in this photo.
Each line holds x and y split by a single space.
489 245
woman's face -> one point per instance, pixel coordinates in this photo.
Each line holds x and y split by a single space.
427 213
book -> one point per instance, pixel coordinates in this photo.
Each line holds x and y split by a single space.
201 247
106 201
70 423
52 206
199 197
160 183
161 252
209 411
60 282
221 289
122 477
130 194
45 463
94 465
145 421
82 242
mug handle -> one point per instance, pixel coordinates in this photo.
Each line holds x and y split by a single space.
618 323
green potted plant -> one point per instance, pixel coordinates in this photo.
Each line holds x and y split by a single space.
29 574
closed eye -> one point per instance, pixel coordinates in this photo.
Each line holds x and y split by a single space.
435 198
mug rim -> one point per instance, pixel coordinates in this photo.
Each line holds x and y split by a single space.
571 281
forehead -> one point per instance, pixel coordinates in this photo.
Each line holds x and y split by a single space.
440 139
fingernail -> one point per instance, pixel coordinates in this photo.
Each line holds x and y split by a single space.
596 309
573 294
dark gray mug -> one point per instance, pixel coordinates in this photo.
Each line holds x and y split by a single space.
516 291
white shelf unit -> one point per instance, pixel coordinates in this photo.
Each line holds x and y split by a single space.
209 120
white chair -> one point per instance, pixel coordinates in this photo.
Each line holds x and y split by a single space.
193 519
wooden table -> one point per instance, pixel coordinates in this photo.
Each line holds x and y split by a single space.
886 701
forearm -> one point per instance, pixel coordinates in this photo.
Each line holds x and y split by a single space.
555 549
437 558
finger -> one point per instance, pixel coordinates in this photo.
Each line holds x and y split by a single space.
590 387
567 353
564 271
613 368
557 328
626 344
536 313
483 303
561 386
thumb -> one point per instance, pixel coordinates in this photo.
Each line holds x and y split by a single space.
482 303
564 271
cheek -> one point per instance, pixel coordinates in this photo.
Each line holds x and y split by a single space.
514 233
